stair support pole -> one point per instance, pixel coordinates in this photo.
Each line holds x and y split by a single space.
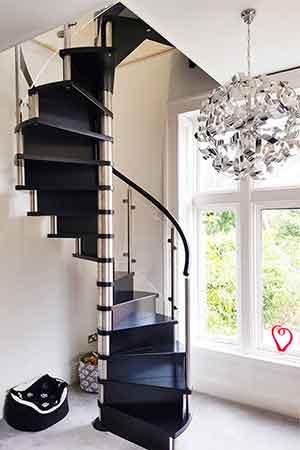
33 201
173 248
33 105
105 266
53 225
20 143
130 209
67 58
188 332
172 444
78 246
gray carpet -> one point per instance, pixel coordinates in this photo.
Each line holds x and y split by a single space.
216 425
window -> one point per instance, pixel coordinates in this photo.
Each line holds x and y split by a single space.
209 180
245 238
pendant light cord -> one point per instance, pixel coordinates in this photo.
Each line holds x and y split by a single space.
249 50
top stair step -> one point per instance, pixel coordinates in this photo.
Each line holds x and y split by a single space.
92 67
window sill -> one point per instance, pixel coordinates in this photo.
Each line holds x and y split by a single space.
233 350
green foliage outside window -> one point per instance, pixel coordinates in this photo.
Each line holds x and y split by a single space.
281 267
220 261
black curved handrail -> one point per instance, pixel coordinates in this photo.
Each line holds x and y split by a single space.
136 187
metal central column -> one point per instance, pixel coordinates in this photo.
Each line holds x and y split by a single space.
105 265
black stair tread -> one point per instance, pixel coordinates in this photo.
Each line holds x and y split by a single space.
31 187
128 297
173 426
162 349
100 51
62 214
90 258
176 382
93 258
143 319
121 274
36 122
76 87
57 159
162 418
71 235
85 257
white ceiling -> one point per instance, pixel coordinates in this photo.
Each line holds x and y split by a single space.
210 32
23 20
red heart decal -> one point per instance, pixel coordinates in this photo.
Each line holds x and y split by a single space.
278 331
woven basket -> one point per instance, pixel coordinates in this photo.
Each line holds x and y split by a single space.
88 377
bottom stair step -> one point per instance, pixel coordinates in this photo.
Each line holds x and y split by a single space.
148 432
162 417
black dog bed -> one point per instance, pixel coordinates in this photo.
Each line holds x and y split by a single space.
39 406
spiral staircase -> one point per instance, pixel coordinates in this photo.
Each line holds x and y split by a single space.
64 159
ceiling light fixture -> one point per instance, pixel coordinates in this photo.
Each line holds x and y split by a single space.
250 124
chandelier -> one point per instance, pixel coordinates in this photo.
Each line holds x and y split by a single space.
251 124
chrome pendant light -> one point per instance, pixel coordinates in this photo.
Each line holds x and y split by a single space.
250 124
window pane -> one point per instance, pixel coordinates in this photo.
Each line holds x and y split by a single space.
218 272
280 272
205 178
209 180
283 176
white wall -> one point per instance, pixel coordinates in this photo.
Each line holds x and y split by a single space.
140 113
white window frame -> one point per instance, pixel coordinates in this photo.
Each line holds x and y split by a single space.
248 202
